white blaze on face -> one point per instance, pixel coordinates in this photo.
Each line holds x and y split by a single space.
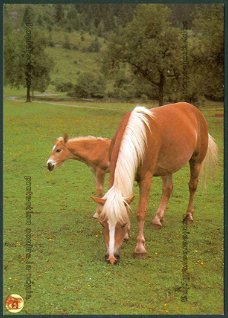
111 238
53 148
51 161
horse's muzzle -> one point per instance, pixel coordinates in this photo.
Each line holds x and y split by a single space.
112 259
50 166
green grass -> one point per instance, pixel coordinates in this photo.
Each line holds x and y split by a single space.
74 38
69 275
78 62
69 64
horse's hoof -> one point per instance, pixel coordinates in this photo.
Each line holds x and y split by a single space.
95 216
156 226
140 251
188 219
140 255
126 238
156 223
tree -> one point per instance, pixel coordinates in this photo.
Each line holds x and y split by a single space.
150 45
26 62
207 52
27 21
89 85
59 13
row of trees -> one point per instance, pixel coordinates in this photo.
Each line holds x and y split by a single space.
97 19
152 53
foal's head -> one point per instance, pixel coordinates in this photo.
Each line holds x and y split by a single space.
59 154
114 232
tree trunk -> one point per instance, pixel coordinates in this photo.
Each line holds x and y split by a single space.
28 77
28 54
28 96
161 89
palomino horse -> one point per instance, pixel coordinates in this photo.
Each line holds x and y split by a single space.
94 152
156 142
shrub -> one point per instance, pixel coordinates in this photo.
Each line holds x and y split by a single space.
94 46
64 87
89 85
66 44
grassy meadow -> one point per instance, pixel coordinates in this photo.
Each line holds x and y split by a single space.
82 62
70 63
68 271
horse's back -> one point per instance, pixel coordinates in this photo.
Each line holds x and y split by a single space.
179 133
182 110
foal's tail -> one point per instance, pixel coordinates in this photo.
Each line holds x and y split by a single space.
210 161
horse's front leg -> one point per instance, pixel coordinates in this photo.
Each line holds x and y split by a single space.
144 186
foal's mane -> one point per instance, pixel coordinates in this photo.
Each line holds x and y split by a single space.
82 138
127 153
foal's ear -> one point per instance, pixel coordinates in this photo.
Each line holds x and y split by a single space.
98 200
65 137
129 200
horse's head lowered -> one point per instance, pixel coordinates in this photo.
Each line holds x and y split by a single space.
59 153
114 230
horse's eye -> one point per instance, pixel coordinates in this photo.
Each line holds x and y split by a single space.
123 225
58 150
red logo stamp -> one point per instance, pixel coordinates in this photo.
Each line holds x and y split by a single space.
14 303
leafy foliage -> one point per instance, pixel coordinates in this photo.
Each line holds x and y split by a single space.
89 85
19 54
207 52
150 45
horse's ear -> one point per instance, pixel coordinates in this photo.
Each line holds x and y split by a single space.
98 200
65 137
129 200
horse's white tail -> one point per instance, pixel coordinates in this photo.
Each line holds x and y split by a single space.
210 161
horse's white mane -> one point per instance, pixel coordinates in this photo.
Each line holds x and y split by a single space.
130 155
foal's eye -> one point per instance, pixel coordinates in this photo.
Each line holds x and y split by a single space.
123 225
58 150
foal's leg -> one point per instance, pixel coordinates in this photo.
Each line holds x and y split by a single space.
194 178
145 186
167 187
127 234
99 178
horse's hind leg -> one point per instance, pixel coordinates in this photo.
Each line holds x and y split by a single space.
193 183
167 187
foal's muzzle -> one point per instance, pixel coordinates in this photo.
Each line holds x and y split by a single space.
50 166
